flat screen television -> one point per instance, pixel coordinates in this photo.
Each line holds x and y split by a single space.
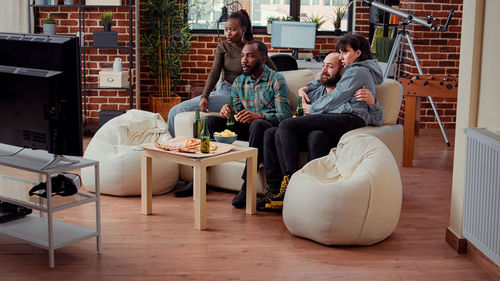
40 96
294 35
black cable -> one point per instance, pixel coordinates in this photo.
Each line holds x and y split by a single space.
7 155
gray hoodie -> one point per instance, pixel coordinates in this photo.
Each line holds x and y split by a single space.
341 100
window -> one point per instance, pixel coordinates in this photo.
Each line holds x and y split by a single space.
204 14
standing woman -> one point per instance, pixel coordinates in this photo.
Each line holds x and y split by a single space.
331 114
238 31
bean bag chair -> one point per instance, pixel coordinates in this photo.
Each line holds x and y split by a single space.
352 196
116 146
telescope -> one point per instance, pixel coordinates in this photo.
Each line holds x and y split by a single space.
429 22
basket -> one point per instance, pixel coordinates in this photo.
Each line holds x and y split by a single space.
163 105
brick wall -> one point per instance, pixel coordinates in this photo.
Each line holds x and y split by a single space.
96 59
197 65
438 53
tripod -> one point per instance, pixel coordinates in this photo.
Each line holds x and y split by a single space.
397 47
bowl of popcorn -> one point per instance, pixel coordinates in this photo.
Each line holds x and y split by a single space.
225 136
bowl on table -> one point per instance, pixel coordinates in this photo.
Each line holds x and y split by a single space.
222 139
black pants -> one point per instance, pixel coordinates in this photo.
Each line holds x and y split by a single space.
252 132
316 134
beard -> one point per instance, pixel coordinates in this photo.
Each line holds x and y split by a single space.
330 81
254 69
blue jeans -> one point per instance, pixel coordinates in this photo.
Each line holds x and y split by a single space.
217 99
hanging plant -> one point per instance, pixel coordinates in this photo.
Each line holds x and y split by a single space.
165 41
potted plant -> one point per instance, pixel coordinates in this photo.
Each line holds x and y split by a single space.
338 13
49 26
106 38
165 43
319 20
270 23
106 19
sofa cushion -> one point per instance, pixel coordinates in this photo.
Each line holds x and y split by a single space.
390 96
296 79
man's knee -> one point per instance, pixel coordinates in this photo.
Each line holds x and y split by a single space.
259 126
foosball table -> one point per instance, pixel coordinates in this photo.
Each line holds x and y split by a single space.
415 88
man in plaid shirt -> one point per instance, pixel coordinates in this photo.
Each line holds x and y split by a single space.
260 98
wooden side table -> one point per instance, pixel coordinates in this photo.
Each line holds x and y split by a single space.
199 178
416 89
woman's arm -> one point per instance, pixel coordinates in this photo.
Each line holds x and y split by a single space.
214 74
352 80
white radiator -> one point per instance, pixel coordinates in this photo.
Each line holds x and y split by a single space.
481 224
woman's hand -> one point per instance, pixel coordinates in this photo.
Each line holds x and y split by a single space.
203 105
365 95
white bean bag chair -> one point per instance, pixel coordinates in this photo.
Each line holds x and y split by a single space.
352 196
116 147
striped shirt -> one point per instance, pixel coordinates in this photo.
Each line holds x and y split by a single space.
268 95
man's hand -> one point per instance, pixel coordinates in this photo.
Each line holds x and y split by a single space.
246 116
302 93
203 105
365 95
225 111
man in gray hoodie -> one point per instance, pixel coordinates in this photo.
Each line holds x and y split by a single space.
336 107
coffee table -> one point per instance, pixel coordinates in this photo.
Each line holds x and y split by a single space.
199 177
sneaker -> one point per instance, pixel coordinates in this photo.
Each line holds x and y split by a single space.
262 200
240 200
275 202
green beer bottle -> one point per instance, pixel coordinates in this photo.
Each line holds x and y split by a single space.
300 110
231 120
197 124
205 138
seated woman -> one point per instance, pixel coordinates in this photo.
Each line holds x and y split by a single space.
334 110
238 30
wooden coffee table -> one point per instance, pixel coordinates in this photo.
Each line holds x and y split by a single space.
199 178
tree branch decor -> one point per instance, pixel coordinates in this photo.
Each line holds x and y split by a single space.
166 40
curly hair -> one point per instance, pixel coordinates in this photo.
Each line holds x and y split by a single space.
244 19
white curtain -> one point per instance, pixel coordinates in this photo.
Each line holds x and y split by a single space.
14 16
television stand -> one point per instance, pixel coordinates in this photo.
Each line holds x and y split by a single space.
58 158
44 230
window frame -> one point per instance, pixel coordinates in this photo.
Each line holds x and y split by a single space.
294 12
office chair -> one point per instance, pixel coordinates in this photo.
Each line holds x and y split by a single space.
284 62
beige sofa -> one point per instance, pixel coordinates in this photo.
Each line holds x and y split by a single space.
228 175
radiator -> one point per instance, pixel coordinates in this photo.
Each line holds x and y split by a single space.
481 224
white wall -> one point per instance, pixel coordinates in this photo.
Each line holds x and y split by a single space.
489 101
14 16
478 91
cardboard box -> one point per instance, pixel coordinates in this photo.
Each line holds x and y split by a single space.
110 79
104 2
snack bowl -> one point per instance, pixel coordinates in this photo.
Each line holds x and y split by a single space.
228 140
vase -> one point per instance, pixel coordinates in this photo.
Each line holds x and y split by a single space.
49 28
107 27
117 65
269 28
337 32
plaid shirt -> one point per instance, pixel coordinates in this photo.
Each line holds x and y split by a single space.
267 95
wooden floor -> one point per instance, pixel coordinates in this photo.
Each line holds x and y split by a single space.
165 246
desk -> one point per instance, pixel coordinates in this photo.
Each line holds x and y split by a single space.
199 178
415 90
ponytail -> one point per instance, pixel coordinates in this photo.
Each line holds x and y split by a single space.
244 19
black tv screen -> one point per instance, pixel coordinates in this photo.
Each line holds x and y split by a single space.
40 97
